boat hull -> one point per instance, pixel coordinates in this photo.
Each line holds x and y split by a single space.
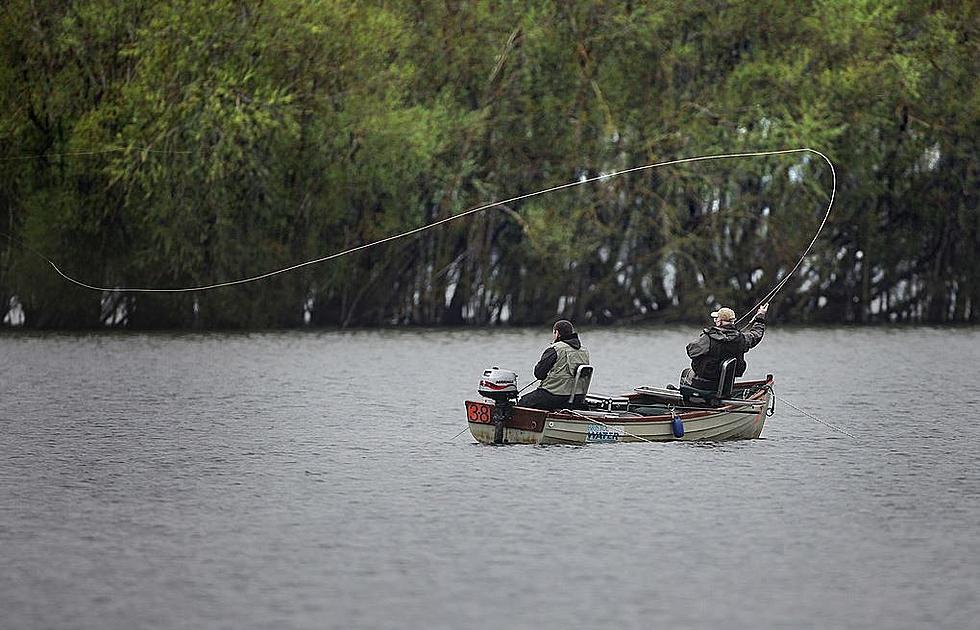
735 420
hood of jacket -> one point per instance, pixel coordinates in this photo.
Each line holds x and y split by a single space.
722 333
572 340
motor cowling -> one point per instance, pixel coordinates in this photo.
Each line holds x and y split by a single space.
498 385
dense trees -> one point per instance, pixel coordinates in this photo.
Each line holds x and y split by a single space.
184 143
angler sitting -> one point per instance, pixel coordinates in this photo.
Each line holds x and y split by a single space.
556 371
721 342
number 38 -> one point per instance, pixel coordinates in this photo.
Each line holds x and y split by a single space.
478 413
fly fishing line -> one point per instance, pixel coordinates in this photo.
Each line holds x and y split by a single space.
581 182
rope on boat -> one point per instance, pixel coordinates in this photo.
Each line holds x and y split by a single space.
505 202
722 408
813 417
600 422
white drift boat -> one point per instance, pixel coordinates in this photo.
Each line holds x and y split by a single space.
647 414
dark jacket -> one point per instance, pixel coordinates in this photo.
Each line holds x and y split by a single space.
550 355
718 343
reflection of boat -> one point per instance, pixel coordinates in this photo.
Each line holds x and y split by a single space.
650 414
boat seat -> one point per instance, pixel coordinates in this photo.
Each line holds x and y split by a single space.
713 397
583 378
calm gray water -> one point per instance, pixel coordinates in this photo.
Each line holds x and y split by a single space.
311 480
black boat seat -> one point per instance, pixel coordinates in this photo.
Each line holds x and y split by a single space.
583 378
712 397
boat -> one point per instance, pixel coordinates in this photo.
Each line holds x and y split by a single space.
737 410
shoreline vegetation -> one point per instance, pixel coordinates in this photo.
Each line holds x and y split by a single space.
187 143
691 327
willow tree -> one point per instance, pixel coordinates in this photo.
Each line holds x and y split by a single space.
188 143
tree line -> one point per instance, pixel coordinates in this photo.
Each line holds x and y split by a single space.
189 142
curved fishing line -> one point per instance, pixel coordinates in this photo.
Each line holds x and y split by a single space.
475 210
779 285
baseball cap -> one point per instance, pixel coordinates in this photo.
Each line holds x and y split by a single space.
724 314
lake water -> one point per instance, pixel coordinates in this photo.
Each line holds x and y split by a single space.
312 480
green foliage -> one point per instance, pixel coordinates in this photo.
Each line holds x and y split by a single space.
187 143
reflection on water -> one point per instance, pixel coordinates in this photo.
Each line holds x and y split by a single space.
310 480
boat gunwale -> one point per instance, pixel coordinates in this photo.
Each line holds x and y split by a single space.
689 413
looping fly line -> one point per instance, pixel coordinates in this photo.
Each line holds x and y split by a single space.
429 226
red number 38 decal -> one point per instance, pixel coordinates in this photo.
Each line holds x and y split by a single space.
478 412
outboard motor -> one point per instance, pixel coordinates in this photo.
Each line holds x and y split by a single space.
498 385
501 387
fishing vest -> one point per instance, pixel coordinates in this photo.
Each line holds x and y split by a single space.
709 367
561 376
